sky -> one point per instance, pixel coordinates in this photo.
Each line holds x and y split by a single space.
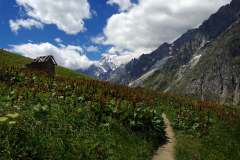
78 33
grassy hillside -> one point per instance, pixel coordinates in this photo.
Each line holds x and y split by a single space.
68 118
12 59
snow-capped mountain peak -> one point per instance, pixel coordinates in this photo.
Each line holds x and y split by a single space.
105 65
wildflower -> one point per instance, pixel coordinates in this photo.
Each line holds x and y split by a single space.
38 122
12 92
17 107
81 99
37 107
44 108
12 115
12 122
3 119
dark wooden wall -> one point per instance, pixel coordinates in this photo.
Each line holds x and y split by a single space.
47 67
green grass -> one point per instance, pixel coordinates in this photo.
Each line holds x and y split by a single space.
64 72
222 143
12 59
188 146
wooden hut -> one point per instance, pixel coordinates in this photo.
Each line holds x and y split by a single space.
44 64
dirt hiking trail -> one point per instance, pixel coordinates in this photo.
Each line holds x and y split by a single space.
167 150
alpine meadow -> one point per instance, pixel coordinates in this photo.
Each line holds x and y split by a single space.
120 80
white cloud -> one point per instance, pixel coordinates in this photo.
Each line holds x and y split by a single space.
151 22
68 56
24 23
68 15
118 60
124 5
98 39
58 40
119 57
92 48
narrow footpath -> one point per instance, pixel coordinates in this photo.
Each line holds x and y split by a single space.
167 150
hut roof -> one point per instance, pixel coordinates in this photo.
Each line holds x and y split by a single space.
43 59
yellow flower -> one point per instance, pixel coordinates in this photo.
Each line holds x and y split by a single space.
3 119
12 115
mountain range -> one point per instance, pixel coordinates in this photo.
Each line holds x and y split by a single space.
204 62
101 68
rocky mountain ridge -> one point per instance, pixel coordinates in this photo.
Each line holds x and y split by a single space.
101 68
183 48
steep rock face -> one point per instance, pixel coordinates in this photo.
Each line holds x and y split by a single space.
213 73
183 51
217 75
188 43
136 67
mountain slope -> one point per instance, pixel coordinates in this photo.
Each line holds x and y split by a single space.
217 74
183 48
